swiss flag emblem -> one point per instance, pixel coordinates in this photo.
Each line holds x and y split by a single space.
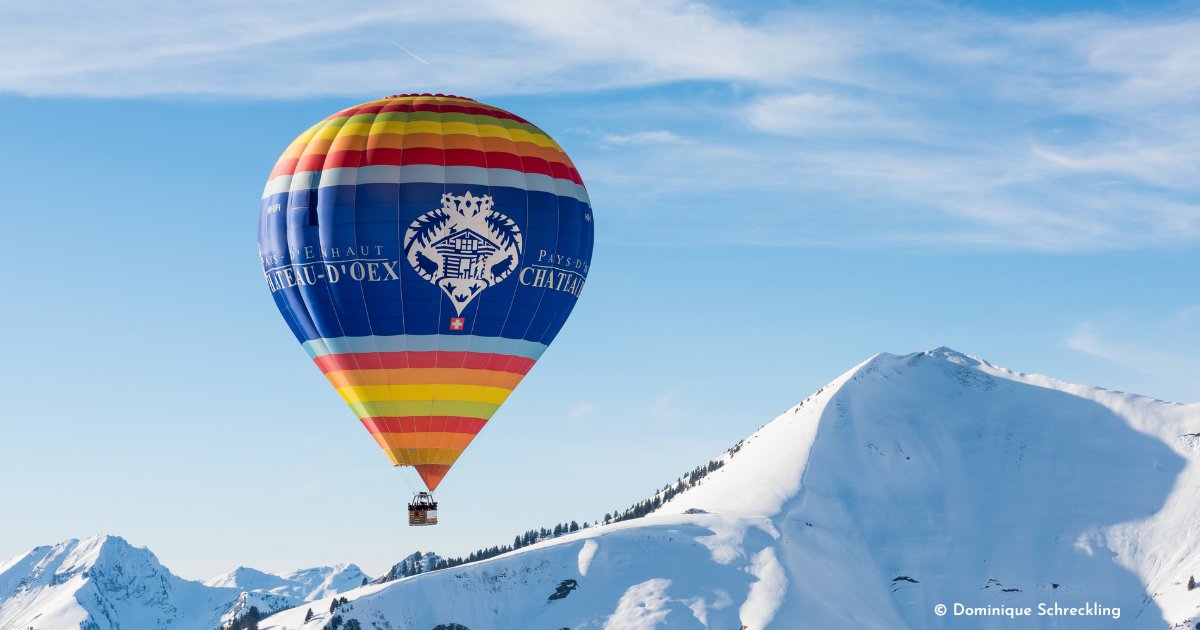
457 323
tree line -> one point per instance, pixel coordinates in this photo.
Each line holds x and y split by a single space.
420 561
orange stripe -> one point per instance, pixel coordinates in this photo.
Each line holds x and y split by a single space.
424 376
347 142
454 441
403 141
384 140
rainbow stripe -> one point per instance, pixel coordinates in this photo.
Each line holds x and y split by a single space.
423 395
423 406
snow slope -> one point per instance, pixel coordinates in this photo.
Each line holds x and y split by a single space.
104 583
907 483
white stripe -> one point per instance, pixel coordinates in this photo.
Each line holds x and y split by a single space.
426 174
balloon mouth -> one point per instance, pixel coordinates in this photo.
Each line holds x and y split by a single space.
411 95
432 474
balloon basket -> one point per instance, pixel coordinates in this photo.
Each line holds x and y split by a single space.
422 510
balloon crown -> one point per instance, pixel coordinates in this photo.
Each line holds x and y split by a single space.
466 205
414 94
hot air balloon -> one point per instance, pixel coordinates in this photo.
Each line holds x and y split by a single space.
425 250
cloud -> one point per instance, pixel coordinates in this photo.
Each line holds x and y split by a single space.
643 137
664 408
307 48
851 125
1085 339
819 113
1187 314
1143 349
580 412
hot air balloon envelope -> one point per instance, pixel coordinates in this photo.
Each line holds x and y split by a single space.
425 250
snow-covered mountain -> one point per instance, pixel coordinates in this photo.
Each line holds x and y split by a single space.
908 483
412 564
302 585
104 583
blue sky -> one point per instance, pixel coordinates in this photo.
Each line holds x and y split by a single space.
781 190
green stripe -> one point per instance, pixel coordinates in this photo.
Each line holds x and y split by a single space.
335 122
401 408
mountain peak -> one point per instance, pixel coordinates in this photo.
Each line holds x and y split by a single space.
906 482
302 585
948 353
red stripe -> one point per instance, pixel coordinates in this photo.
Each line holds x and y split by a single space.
349 111
426 155
423 424
430 105
396 360
285 166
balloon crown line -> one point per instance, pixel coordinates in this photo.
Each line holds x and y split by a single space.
410 95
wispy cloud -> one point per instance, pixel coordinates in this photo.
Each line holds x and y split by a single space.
827 114
1167 350
841 124
658 136
664 408
1085 338
274 48
580 412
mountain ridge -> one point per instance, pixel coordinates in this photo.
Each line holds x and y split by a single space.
908 482
103 582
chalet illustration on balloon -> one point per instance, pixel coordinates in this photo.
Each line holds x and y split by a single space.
463 247
465 255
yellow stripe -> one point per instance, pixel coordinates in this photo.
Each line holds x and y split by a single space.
420 392
329 132
297 146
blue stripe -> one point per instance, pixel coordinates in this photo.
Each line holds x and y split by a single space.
425 343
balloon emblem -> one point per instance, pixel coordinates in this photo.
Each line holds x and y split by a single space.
425 250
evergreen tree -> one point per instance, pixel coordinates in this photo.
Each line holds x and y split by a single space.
352 624
1191 582
308 616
